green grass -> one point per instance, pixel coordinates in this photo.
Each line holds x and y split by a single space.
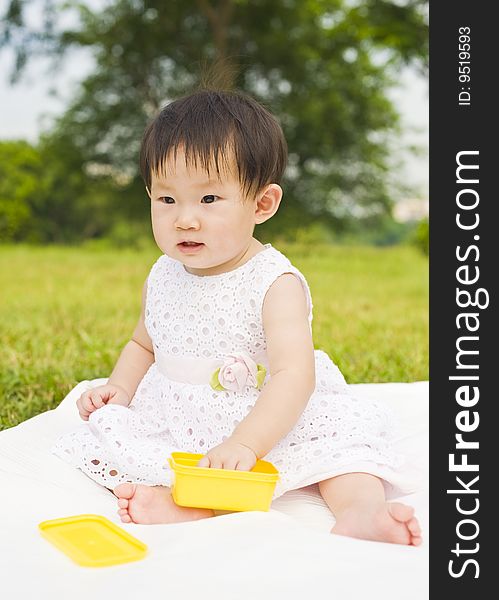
65 313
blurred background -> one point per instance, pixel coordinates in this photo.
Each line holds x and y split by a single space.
79 82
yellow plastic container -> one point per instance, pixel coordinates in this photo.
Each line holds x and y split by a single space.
92 540
221 489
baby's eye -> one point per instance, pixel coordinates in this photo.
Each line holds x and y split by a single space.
209 199
166 200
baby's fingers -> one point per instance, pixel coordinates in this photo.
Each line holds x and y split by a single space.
211 462
230 464
204 462
245 465
216 463
83 413
87 403
81 407
96 400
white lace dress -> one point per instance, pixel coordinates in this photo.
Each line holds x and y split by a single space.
194 322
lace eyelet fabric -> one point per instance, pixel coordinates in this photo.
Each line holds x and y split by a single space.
207 318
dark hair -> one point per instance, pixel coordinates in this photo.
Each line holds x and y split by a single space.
212 127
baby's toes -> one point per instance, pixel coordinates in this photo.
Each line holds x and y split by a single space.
123 503
401 512
413 526
125 518
415 531
122 512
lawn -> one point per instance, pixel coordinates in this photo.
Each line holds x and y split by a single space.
65 313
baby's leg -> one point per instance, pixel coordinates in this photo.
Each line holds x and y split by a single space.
147 505
358 503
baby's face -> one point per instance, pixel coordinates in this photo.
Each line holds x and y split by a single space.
189 206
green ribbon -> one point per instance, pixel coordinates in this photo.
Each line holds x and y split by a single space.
261 372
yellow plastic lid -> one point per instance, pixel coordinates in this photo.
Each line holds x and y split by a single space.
93 540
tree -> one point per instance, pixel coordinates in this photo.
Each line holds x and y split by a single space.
323 66
20 170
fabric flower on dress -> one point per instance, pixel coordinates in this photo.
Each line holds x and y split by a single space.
238 371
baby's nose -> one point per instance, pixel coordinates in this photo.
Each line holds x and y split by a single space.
187 220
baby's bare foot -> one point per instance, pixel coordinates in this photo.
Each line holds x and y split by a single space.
388 522
147 505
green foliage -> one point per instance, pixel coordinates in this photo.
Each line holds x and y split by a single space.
46 197
387 232
323 66
421 236
72 310
20 177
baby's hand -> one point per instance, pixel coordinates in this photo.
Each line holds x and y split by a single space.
229 455
99 396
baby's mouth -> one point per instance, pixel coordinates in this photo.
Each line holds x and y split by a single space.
189 247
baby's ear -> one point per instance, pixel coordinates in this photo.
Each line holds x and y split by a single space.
267 203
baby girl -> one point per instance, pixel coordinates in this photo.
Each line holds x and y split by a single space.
222 361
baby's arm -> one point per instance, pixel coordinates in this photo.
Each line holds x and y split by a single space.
134 361
290 351
291 357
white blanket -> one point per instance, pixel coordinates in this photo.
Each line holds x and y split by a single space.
285 553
